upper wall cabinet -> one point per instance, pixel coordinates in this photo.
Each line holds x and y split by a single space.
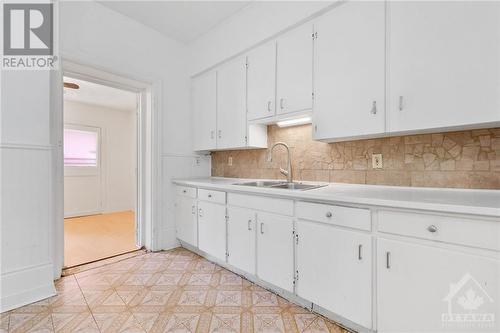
205 111
444 64
261 82
349 72
294 70
231 105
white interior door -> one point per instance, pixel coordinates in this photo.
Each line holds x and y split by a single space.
82 170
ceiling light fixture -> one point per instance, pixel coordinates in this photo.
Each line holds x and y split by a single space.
294 122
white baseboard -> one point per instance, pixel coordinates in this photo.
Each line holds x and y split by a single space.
25 286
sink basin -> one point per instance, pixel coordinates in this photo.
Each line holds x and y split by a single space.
261 183
282 185
298 186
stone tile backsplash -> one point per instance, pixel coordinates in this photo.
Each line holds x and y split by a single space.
465 159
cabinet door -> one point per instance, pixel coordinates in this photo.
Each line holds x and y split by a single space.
335 270
349 71
212 229
261 81
444 64
241 239
294 70
419 286
186 220
275 250
205 111
231 105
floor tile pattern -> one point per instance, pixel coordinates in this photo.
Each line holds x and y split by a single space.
170 291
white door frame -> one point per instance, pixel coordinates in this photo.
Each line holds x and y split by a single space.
148 150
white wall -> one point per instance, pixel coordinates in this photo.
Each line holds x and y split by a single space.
97 36
255 23
118 157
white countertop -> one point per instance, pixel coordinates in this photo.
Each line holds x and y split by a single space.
463 201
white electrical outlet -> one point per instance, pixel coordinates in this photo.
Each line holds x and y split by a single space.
377 161
230 161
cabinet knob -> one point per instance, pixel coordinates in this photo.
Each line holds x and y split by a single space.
432 228
209 195
328 214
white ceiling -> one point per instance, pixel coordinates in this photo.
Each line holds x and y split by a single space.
97 94
180 20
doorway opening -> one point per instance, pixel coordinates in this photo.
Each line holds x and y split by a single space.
101 150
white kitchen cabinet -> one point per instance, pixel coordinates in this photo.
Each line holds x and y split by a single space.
241 238
294 70
444 64
418 286
275 250
204 98
261 82
335 270
349 72
186 219
231 105
212 229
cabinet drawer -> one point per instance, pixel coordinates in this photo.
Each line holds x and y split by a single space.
212 196
357 218
185 191
458 230
263 204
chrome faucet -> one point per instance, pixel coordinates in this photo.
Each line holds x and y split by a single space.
287 173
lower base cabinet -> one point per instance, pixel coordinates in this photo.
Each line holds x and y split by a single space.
186 220
275 250
212 229
241 239
427 289
335 270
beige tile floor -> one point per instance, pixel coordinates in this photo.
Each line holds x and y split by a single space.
171 291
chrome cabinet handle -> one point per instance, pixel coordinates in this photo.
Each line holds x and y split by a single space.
249 225
282 100
400 103
269 106
262 228
360 254
388 260
328 214
374 107
432 228
200 212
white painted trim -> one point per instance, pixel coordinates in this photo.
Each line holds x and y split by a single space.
26 276
25 146
81 66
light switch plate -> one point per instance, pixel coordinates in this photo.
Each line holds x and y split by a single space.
377 162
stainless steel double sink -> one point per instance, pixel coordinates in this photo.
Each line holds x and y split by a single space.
298 186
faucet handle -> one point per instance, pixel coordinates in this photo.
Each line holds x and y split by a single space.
283 171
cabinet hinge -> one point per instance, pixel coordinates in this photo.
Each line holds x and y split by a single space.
227 254
312 95
296 238
246 139
226 217
296 277
314 35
